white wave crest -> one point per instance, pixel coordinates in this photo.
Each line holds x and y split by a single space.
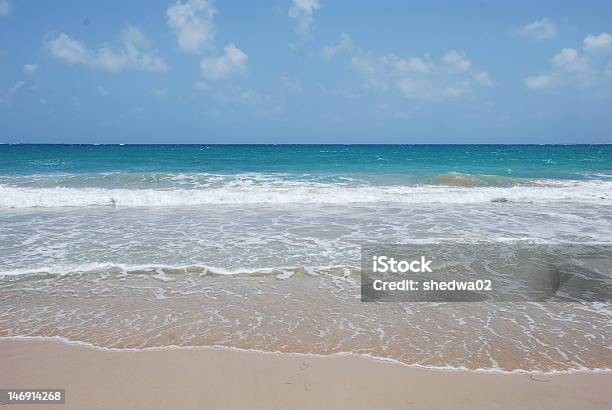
280 272
587 192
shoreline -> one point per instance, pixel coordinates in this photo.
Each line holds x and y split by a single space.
366 356
231 378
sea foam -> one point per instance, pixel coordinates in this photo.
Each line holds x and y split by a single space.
586 192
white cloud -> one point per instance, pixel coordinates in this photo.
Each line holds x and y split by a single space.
542 29
407 65
538 82
193 23
344 45
8 96
130 56
135 38
232 61
12 90
302 11
456 61
30 68
569 60
482 78
69 50
453 75
574 68
5 8
598 44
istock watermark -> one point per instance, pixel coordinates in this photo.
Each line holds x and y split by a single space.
384 264
497 272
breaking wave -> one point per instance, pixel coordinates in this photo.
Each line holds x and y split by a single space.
294 192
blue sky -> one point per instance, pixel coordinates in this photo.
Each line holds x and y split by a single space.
305 71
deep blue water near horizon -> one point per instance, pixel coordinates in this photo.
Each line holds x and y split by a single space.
517 161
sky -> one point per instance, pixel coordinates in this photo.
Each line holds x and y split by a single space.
305 71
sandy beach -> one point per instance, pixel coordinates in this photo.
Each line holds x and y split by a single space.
232 379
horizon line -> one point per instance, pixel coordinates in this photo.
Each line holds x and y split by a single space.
301 143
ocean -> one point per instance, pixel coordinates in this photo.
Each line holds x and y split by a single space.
258 247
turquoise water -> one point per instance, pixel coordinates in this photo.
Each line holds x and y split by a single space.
519 161
193 175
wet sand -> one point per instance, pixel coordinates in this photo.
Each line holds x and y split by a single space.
230 379
304 313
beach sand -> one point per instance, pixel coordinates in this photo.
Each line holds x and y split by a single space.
209 378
